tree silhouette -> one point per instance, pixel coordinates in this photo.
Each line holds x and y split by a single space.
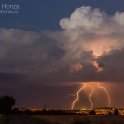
116 112
92 112
6 103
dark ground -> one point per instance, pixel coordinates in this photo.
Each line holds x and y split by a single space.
61 119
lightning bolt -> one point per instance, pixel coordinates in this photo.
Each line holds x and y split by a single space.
77 96
90 95
107 93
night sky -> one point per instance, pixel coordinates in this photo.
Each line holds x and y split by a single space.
51 46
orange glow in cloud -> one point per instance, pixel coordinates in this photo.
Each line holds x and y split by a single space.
101 46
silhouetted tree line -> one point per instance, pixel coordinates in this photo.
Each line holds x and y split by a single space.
7 102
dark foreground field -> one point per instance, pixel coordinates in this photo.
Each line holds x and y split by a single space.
59 119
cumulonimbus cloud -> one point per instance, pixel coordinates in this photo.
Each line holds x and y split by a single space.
91 32
87 34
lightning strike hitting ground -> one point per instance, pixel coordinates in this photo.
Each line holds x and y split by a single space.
77 96
107 93
91 93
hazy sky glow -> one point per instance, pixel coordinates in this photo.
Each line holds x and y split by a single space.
45 55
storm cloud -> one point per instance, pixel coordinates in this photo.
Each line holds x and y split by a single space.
67 56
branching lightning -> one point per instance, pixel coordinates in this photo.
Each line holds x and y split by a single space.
92 89
86 86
